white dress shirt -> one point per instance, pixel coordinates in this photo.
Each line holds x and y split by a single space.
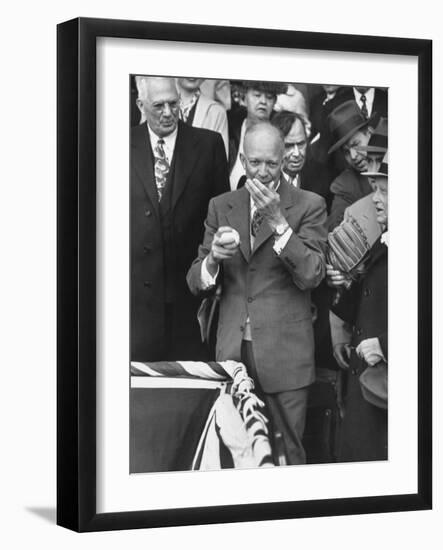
369 99
169 142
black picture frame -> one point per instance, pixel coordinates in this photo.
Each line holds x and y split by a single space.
76 265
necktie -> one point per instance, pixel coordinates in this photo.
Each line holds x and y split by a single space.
364 109
161 167
257 220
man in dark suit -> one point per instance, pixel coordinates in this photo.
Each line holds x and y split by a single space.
175 171
265 244
300 169
306 173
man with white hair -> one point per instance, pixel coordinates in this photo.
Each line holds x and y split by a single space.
265 244
175 170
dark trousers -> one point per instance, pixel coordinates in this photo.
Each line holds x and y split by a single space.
286 411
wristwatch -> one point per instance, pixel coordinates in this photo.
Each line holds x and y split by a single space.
281 229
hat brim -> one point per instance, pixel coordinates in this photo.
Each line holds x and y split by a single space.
374 174
345 138
373 149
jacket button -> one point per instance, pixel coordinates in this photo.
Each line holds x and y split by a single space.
366 292
147 284
242 328
147 249
147 213
250 300
359 332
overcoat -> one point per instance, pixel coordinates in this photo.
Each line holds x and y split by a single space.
164 241
365 306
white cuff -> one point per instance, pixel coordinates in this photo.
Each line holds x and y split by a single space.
282 241
207 279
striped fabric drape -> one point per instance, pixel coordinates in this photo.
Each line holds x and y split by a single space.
235 419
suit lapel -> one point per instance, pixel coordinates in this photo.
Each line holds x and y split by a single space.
185 157
238 218
143 162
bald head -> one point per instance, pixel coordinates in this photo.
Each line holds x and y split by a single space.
263 152
263 132
158 102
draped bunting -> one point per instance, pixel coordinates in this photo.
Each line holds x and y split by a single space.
235 421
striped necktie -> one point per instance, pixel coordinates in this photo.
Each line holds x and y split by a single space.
364 109
161 167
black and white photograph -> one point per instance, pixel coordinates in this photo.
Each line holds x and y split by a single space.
258 273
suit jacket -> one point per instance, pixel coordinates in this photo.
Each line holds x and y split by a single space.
274 291
211 115
198 173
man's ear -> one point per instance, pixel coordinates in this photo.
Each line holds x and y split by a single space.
139 103
243 160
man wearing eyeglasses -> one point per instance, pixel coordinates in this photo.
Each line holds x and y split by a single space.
175 170
264 244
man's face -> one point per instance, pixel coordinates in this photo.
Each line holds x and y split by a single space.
380 199
355 156
190 84
160 106
259 104
295 149
262 158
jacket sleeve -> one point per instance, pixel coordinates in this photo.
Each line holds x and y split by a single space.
304 254
193 277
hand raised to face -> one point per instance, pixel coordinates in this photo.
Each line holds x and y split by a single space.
267 201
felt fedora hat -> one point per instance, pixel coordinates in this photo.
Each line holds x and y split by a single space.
382 171
378 142
344 121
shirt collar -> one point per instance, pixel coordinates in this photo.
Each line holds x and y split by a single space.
369 95
385 238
